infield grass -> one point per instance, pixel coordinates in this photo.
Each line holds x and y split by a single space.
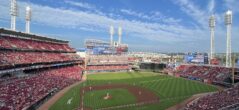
94 99
170 90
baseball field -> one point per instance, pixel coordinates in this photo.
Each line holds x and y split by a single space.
130 91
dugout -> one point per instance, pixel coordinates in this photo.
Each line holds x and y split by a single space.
152 66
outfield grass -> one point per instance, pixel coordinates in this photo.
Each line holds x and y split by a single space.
94 99
171 90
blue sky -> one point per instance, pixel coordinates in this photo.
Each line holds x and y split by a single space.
148 25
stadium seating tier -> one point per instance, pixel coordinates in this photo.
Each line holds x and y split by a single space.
21 92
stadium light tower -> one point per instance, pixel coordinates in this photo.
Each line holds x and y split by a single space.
228 23
120 34
13 12
28 18
111 35
212 28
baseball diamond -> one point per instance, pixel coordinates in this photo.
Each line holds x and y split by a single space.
119 55
161 91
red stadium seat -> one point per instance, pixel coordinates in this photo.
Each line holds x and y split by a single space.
209 73
17 93
20 43
21 92
222 99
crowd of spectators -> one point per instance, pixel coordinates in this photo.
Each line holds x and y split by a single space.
25 88
107 59
204 72
30 44
16 57
107 67
222 100
107 63
17 93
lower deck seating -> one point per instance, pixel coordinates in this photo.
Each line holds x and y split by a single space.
219 100
17 93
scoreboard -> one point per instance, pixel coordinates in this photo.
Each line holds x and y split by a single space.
197 58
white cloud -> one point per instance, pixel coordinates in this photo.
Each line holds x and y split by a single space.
200 16
133 13
58 17
211 6
154 16
80 4
232 5
169 32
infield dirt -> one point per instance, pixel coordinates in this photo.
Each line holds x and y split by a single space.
142 95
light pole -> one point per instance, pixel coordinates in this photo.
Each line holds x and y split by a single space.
111 35
228 23
28 18
13 13
212 29
120 34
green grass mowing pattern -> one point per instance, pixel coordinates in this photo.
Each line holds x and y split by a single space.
73 95
176 87
117 76
94 99
171 90
162 105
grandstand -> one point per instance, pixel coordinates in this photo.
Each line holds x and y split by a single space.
222 100
33 68
101 56
99 63
39 72
204 73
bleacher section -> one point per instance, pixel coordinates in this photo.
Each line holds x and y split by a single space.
22 57
29 44
107 63
223 100
33 68
23 41
107 59
204 73
21 92
108 67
